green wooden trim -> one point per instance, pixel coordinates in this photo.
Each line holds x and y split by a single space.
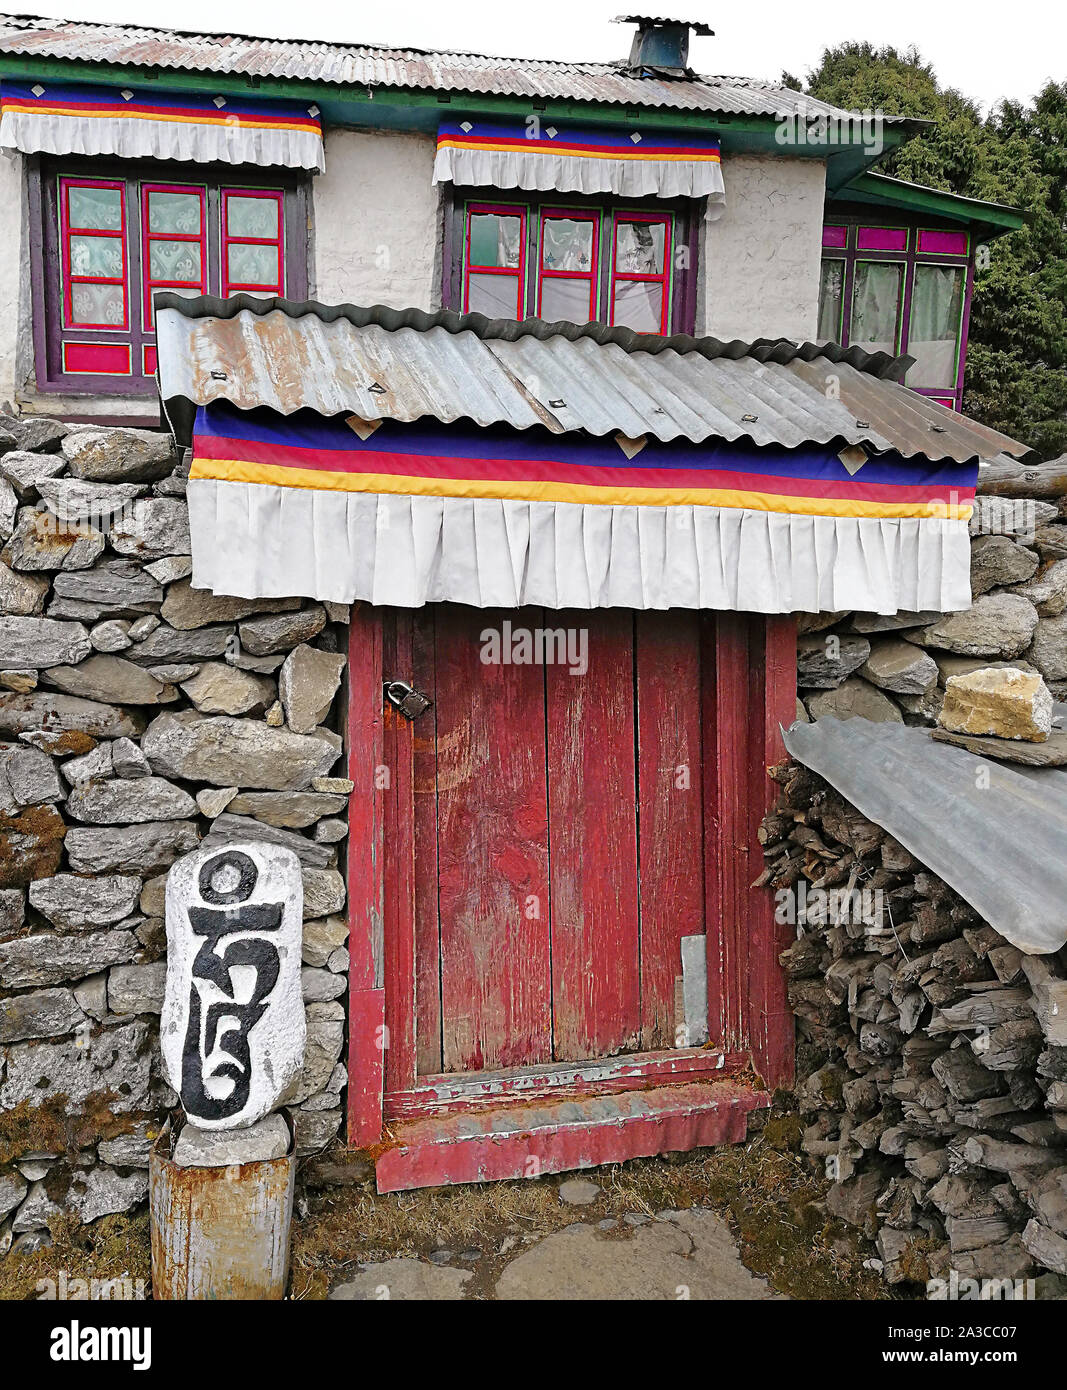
881 190
360 105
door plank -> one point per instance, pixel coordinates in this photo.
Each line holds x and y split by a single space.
670 810
596 988
492 846
427 921
399 862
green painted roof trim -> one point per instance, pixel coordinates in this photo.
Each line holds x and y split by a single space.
992 219
418 109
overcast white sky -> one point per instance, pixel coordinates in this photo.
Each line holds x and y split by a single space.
988 50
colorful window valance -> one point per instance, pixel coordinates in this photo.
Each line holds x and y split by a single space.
62 119
628 163
410 513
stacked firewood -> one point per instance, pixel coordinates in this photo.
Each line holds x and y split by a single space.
932 1054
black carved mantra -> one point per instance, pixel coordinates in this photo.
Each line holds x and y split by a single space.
233 915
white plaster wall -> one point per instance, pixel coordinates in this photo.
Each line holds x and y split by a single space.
376 221
761 259
10 273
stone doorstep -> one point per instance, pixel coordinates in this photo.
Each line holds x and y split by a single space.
493 1143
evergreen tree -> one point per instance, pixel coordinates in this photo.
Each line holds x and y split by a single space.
1016 377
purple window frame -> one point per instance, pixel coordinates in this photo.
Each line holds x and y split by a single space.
46 252
848 251
686 222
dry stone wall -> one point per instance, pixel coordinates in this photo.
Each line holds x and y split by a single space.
932 1054
140 719
895 668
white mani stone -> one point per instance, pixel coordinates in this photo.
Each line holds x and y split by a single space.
232 1032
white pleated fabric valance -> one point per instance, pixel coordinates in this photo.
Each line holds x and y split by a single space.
257 541
62 119
407 514
547 158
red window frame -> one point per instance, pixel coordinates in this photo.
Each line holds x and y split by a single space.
592 274
67 230
518 273
664 279
278 242
148 236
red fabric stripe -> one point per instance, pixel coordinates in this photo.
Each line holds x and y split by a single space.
693 151
136 108
552 471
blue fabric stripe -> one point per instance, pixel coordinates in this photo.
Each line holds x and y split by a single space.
429 437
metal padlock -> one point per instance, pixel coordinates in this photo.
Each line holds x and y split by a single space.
409 701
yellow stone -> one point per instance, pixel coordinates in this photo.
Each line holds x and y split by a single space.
1002 702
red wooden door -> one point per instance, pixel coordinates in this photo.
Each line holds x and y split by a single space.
556 840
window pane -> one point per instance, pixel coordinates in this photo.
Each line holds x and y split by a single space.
831 287
876 306
252 265
96 255
495 295
176 260
495 240
251 216
99 209
639 248
933 335
97 304
638 305
566 244
565 299
174 212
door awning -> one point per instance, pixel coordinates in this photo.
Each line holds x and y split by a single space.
549 158
342 453
62 119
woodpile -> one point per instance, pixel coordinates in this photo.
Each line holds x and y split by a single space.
932 1054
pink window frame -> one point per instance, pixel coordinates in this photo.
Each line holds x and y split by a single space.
518 273
148 236
592 275
230 286
663 279
66 231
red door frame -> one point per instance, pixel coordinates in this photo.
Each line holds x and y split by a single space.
749 665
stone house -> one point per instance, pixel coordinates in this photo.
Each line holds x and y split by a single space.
557 353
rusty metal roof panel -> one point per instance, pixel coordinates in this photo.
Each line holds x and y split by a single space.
998 840
287 356
413 69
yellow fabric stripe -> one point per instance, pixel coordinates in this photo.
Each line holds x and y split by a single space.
239 471
248 122
577 152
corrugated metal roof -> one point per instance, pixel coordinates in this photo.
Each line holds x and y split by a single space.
998 843
270 352
414 69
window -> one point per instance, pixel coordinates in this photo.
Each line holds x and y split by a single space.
114 236
627 267
900 290
876 301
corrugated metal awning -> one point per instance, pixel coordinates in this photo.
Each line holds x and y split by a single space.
997 840
406 365
406 68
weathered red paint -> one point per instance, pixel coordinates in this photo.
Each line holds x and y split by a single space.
601 1075
448 857
365 862
533 1138
596 981
492 848
670 809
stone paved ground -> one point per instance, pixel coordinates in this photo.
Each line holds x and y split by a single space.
674 1255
